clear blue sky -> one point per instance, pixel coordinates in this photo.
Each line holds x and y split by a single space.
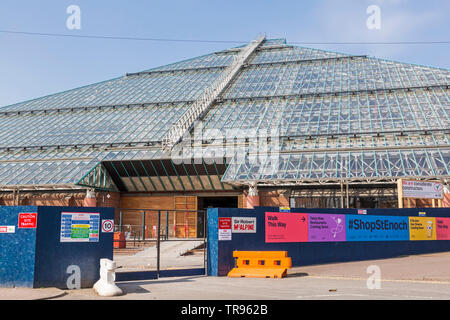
34 66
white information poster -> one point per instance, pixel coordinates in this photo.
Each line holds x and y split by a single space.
224 229
422 189
80 227
224 234
7 229
244 225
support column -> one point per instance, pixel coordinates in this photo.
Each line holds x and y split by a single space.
252 199
90 200
446 200
284 196
400 192
347 195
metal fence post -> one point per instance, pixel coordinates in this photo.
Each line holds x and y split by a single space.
158 243
204 241
167 226
143 226
120 221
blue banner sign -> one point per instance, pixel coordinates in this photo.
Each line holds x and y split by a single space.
376 228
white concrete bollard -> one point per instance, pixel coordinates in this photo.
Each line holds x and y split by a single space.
105 286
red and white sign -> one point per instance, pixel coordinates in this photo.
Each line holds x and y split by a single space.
27 220
7 229
224 223
244 225
224 229
107 225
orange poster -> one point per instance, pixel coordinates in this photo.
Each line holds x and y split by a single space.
422 228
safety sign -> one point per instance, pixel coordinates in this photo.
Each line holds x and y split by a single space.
27 220
107 225
79 227
224 229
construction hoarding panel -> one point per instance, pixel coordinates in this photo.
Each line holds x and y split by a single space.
326 227
422 228
286 227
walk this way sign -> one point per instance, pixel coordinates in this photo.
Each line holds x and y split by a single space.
286 227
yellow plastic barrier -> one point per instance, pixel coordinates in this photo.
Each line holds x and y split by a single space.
260 264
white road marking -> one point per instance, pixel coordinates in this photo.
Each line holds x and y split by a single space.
332 295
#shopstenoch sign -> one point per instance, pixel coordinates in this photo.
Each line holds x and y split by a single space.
307 227
377 228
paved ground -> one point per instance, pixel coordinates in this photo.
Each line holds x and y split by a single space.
171 257
30 294
308 287
422 277
431 267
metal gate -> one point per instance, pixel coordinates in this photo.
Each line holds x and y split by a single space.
141 234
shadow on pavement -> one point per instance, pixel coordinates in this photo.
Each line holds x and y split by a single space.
297 274
159 281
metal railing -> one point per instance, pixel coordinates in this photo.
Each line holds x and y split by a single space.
160 225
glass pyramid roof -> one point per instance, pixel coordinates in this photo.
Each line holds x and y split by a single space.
336 116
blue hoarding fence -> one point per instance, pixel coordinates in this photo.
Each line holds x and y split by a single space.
55 250
376 234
